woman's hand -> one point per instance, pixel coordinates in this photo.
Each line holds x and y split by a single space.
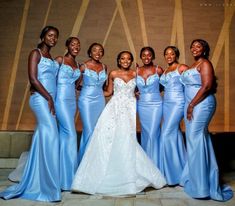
190 112
51 106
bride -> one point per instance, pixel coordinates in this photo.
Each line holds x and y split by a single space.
114 163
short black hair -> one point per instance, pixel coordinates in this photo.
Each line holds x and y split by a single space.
175 49
92 45
46 29
68 41
149 49
205 45
119 57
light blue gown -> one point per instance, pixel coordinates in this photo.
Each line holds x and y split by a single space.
200 176
91 103
172 145
65 112
40 180
149 108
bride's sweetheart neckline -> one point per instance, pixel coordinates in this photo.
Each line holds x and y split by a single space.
124 80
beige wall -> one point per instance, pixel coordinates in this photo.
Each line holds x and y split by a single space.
118 25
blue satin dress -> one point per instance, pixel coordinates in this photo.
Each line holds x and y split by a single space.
41 179
200 176
149 108
172 144
65 111
91 103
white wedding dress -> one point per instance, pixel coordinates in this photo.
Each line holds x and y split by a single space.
114 163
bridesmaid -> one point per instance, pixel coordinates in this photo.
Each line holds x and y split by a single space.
200 177
91 100
40 180
172 144
65 111
149 104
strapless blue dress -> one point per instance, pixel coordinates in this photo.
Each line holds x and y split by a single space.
200 176
149 108
65 112
91 103
173 152
41 178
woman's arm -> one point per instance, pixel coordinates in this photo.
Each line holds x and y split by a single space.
109 89
207 77
182 68
160 71
33 61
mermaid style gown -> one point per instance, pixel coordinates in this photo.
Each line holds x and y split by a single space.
200 176
41 180
173 154
149 108
65 112
114 163
91 102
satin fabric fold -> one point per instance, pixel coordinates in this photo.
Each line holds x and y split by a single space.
40 180
65 112
173 152
149 108
91 103
201 175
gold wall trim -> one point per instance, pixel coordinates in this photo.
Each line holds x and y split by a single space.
110 26
226 75
142 22
26 92
126 28
223 33
180 29
80 17
15 65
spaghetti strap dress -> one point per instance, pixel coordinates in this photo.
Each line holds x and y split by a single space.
91 103
41 178
65 112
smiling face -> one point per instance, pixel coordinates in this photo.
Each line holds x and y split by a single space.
197 49
170 56
96 52
50 38
125 60
74 47
146 57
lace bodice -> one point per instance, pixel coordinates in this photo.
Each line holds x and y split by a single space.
122 88
150 85
171 81
92 78
67 75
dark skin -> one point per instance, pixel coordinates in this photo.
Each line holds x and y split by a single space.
172 62
205 67
48 41
148 67
124 73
